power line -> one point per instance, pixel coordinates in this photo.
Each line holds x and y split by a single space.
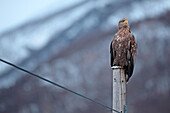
35 75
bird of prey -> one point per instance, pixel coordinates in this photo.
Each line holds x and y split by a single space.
123 48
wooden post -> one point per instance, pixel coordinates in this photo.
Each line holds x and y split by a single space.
119 89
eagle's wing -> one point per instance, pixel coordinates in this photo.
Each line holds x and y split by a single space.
111 55
133 48
112 51
131 55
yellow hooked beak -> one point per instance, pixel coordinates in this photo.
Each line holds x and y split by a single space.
126 21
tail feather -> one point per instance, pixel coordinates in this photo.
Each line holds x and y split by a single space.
127 77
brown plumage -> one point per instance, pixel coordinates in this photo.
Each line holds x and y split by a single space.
123 48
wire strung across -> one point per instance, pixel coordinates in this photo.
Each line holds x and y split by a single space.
42 78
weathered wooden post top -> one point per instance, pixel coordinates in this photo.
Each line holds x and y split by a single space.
119 89
123 52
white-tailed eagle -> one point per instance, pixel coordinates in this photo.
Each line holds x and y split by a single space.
123 48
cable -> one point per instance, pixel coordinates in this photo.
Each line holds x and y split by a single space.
35 75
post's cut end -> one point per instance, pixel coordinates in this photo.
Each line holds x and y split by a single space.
117 67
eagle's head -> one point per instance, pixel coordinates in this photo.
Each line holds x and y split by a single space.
123 23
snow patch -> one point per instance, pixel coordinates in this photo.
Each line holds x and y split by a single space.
139 11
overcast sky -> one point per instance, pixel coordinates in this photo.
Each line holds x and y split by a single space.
16 12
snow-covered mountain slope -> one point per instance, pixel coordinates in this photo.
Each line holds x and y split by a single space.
71 47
